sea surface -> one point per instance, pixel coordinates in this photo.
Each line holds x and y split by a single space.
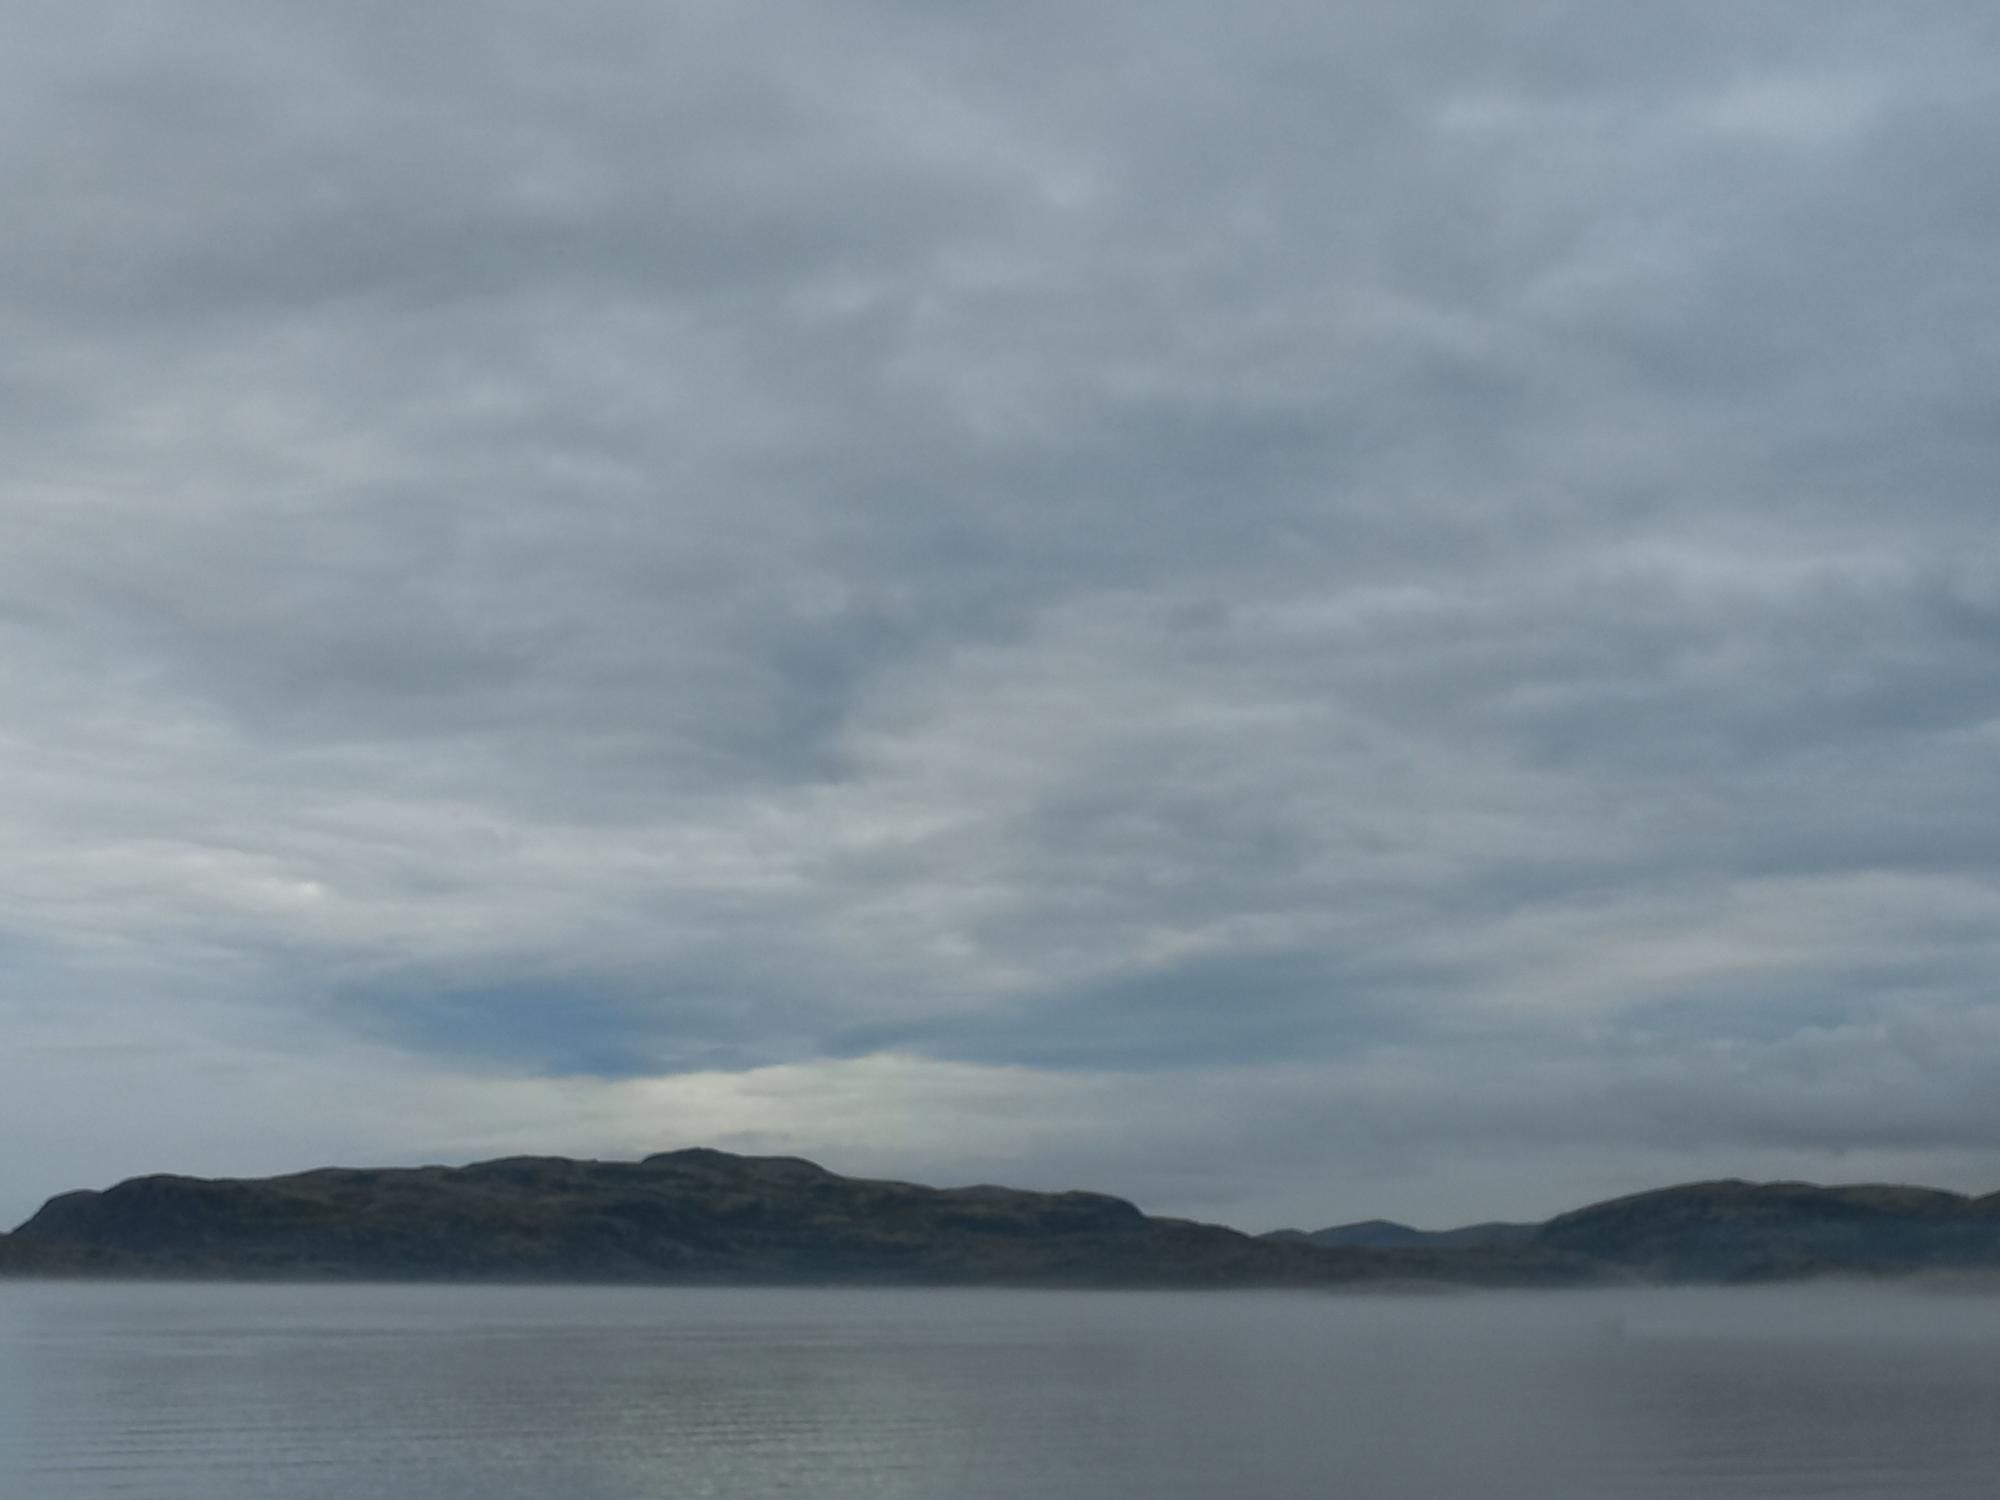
503 1393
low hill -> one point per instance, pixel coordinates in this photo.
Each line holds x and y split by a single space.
701 1216
1746 1231
694 1216
1387 1234
1729 1231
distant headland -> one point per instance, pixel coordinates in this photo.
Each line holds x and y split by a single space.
707 1217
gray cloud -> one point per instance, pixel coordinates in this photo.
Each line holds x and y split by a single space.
1403 595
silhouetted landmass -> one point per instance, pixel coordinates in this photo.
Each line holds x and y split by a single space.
1745 1231
693 1216
1729 1231
709 1217
1387 1234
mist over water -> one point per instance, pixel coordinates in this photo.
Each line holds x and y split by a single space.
282 1393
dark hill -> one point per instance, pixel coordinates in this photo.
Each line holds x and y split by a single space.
1387 1234
703 1216
1728 1231
685 1216
1745 1231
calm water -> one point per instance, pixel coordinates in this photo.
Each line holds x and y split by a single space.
225 1393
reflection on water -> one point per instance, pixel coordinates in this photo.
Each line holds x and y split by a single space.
225 1393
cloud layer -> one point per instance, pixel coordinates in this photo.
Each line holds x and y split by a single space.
1368 609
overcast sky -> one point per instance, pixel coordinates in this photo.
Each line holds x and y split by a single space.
1296 611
